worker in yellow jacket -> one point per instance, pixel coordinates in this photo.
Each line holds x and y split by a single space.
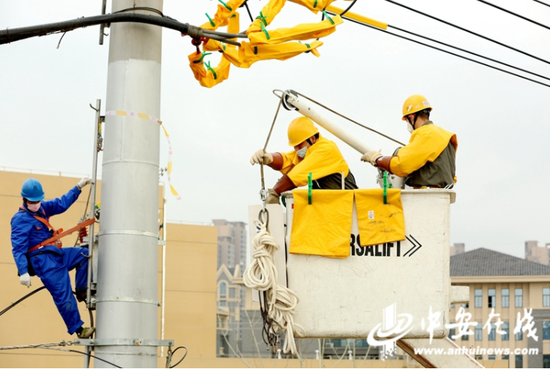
429 158
312 154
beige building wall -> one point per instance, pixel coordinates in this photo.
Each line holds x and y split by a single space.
536 253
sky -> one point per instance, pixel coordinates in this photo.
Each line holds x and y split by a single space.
501 121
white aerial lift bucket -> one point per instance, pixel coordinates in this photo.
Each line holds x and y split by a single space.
352 297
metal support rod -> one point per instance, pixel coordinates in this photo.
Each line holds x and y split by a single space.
91 244
127 283
102 26
304 107
163 293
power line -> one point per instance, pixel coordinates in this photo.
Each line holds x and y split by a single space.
543 3
471 32
470 52
517 15
445 51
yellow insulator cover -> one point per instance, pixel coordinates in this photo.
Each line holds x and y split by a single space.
305 31
205 76
248 54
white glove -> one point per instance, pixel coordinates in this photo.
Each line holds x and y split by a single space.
371 156
261 157
25 280
84 181
272 197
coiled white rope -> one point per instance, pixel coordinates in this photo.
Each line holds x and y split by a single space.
262 275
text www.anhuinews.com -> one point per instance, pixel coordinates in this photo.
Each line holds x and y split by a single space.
475 351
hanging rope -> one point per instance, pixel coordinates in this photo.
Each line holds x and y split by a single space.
280 301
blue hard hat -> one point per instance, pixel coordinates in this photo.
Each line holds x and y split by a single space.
32 190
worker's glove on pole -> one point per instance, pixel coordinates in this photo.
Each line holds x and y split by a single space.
261 157
25 280
84 182
272 197
371 156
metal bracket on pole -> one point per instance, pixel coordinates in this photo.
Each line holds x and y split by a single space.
102 26
123 342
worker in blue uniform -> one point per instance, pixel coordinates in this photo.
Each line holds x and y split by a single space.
30 229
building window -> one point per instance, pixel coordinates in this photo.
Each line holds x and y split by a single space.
546 330
478 298
479 331
506 329
546 297
492 294
452 332
479 357
492 357
505 357
505 297
519 298
519 361
493 332
546 361
466 305
223 290
519 335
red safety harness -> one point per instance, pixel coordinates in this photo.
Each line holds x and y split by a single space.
55 240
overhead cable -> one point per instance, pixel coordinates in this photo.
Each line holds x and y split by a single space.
469 52
16 34
515 14
540 2
445 51
471 32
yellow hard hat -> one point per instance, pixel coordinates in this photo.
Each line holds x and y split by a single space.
415 103
299 130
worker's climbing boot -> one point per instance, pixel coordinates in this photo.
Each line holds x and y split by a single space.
86 332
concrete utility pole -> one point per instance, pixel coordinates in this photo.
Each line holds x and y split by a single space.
127 298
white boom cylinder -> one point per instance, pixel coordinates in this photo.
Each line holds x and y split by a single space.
305 108
127 293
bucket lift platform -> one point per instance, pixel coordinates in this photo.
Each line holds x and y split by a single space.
391 294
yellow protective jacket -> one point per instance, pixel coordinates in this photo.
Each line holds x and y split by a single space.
428 159
322 159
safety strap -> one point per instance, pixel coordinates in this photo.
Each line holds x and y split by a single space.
59 234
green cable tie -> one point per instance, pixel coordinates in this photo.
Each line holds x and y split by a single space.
255 50
226 6
210 19
309 185
385 187
329 18
204 53
265 31
211 70
262 18
315 4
